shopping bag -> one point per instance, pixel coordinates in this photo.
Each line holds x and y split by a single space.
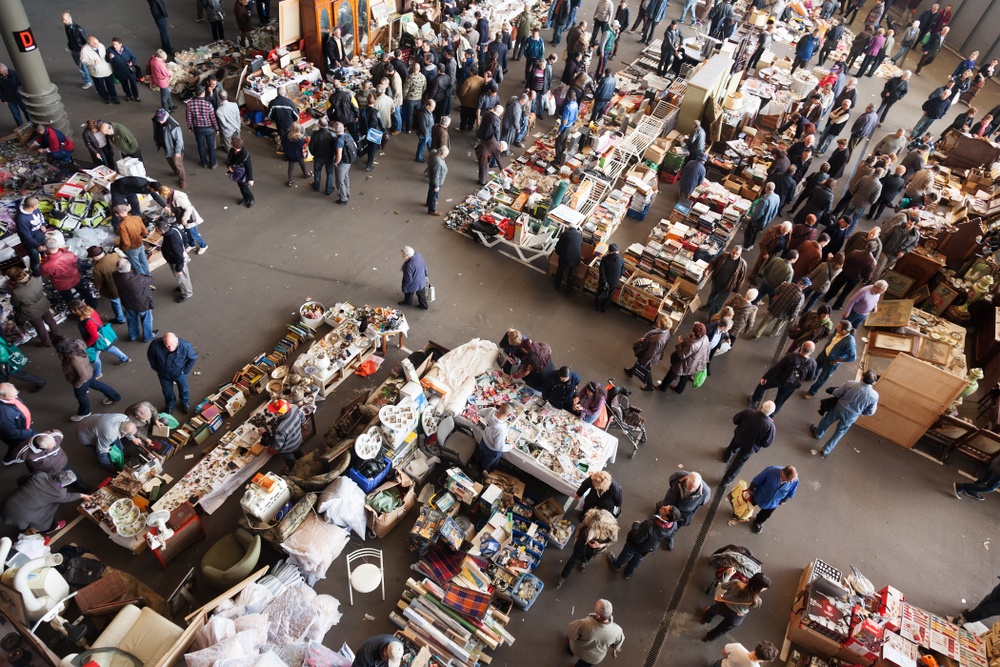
16 359
724 347
374 136
699 378
106 336
429 292
739 498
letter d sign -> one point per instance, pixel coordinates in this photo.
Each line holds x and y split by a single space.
25 40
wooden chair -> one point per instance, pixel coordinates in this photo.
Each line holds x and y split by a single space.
948 433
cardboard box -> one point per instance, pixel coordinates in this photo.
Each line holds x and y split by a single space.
380 525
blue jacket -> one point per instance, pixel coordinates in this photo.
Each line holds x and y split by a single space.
121 63
806 47
855 399
570 112
13 426
560 394
171 365
657 9
845 350
692 175
936 107
414 274
768 490
30 228
765 210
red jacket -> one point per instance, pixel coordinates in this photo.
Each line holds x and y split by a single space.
90 328
158 73
60 268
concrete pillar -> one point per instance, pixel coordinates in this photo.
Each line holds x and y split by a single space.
40 95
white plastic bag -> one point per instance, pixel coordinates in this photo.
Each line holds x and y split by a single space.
343 504
550 103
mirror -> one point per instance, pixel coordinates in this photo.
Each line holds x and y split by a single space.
325 22
345 19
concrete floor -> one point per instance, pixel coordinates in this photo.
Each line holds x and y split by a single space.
873 504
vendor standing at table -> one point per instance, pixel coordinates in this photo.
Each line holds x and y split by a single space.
283 436
510 353
536 363
491 435
560 388
379 651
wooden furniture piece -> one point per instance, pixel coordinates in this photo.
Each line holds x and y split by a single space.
988 338
948 433
919 265
317 19
187 529
912 395
981 447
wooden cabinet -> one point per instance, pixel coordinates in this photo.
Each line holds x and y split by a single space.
920 265
317 18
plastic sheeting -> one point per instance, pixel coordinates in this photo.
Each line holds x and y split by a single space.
343 504
314 547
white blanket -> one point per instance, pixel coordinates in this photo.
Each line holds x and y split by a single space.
457 370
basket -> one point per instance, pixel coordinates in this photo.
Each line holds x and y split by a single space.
97 598
312 321
520 593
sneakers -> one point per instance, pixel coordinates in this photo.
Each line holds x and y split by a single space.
611 562
559 583
756 527
110 401
201 250
77 418
87 85
583 565
958 492
975 496
11 462
668 544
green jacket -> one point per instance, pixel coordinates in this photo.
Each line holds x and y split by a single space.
123 139
523 23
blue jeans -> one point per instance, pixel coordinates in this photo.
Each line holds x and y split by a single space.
629 558
901 54
194 238
84 72
83 397
99 367
423 144
522 131
318 167
432 199
988 483
15 110
139 261
135 319
167 386
715 300
857 319
116 308
689 7
397 120
825 371
488 459
205 136
591 419
922 125
844 422
161 25
557 32
165 101
411 106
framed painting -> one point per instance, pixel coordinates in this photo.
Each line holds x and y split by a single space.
899 284
941 297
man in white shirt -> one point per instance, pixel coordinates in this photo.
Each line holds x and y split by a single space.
491 435
736 655
228 117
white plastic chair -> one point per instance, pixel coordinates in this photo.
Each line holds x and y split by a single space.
366 577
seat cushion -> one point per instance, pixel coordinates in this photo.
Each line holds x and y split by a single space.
462 444
149 638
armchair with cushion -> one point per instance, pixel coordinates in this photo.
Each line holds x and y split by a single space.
231 559
141 633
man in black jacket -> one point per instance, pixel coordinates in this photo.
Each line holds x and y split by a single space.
686 491
172 247
754 431
932 48
788 374
283 112
137 300
159 11
892 185
644 538
569 249
833 36
321 145
784 186
76 39
609 273
893 91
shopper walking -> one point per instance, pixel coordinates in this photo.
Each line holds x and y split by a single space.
932 47
762 212
988 482
97 337
864 127
776 272
688 358
167 136
744 313
727 272
123 65
786 375
988 607
172 359
734 600
31 305
437 172
754 431
609 273
590 639
859 266
201 120
854 399
841 348
10 94
893 91
94 58
76 39
174 249
15 423
158 9
692 175
322 146
293 146
80 374
864 303
414 278
597 532
644 537
686 491
785 306
137 300
804 49
649 350
599 490
283 434
241 171
772 487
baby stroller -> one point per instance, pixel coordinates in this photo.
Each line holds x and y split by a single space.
734 556
623 416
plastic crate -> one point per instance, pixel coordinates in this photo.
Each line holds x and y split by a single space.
568 529
527 581
368 484
669 177
638 215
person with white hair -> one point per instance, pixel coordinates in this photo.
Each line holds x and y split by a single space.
437 172
686 491
754 431
744 313
864 303
104 433
143 414
93 57
592 637
414 278
44 453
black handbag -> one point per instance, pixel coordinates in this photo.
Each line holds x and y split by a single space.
83 571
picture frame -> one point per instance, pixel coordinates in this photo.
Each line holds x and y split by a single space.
920 293
941 297
899 284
